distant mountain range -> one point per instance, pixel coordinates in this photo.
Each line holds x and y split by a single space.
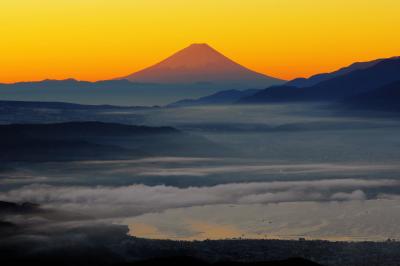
60 106
360 85
199 75
109 92
219 98
313 80
193 72
363 79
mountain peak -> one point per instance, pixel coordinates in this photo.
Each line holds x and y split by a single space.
199 62
202 45
199 48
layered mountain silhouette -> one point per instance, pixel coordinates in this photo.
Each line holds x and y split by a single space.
347 85
313 80
200 72
200 63
219 98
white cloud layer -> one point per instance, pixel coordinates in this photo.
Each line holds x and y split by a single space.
134 200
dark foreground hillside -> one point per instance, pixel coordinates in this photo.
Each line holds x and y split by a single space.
96 140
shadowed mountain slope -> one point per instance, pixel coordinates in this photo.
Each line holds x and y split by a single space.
308 82
353 83
386 98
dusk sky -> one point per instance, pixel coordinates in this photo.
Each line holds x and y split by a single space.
103 39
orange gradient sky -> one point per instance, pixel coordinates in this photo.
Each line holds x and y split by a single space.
102 39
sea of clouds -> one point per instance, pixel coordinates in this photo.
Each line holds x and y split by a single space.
126 201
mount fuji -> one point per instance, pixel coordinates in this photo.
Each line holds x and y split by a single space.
200 63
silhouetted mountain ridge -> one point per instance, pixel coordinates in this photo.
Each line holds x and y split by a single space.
219 98
313 80
341 87
61 105
111 92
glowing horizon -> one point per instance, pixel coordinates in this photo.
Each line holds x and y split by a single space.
101 39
